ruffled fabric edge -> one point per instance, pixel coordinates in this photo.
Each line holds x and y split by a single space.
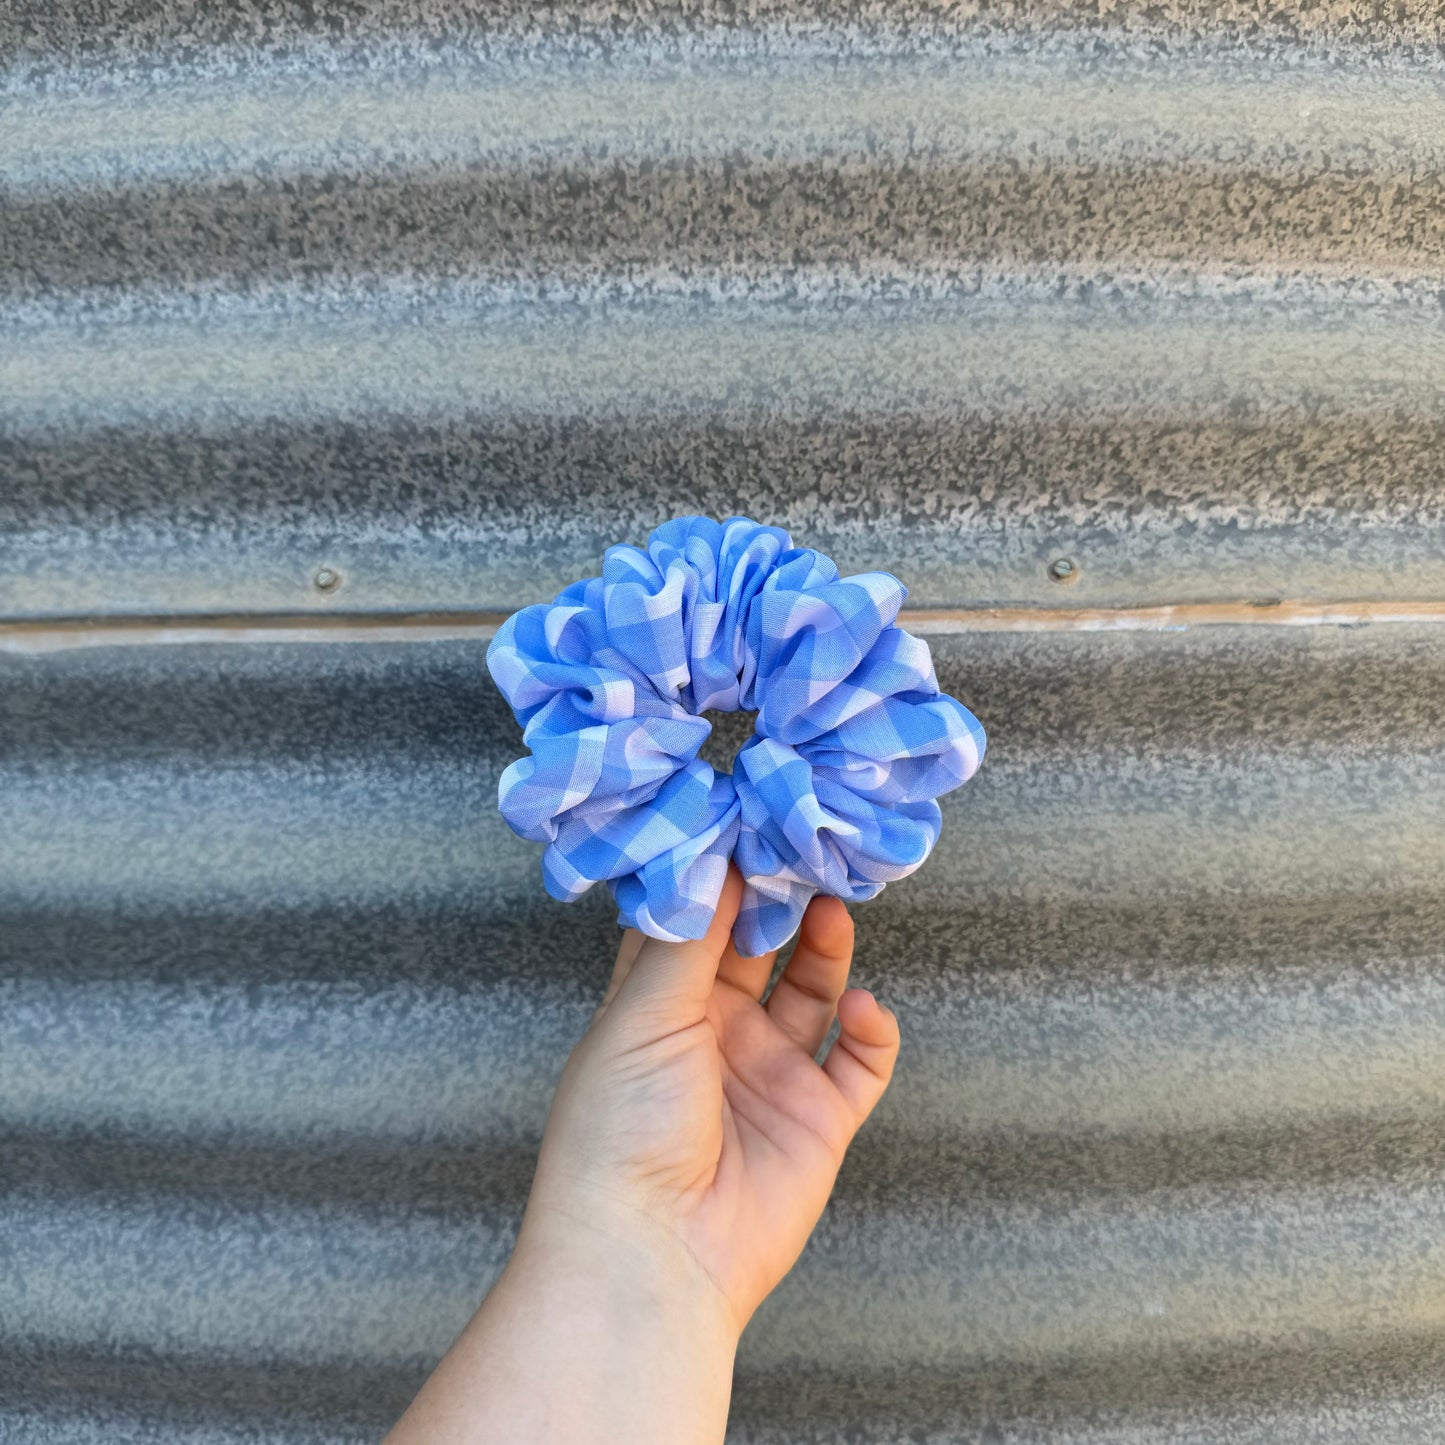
834 793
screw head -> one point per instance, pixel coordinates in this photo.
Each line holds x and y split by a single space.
327 579
1063 569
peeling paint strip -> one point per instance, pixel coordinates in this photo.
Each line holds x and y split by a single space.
36 638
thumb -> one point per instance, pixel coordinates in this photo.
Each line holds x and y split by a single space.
673 981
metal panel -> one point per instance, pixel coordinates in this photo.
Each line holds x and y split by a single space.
447 297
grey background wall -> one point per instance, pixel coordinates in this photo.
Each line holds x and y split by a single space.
430 302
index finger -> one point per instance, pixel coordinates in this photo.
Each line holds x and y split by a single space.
678 978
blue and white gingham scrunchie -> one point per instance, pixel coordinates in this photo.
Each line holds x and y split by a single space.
834 792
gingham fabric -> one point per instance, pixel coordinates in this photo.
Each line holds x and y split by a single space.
834 792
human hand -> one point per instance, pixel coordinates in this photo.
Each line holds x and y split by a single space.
691 1147
693 1121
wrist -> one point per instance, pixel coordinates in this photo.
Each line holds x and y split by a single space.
595 1332
598 1332
616 1262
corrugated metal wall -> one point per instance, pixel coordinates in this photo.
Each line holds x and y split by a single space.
428 302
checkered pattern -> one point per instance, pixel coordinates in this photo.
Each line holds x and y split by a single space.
834 793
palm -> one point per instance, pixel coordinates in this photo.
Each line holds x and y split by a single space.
734 1132
785 1127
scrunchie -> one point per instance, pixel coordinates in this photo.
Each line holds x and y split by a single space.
833 793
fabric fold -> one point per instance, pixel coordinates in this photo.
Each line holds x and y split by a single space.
835 792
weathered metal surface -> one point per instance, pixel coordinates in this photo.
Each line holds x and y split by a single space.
283 1003
446 297
450 305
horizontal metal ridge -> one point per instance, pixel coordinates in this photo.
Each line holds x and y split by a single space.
50 37
533 103
65 634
